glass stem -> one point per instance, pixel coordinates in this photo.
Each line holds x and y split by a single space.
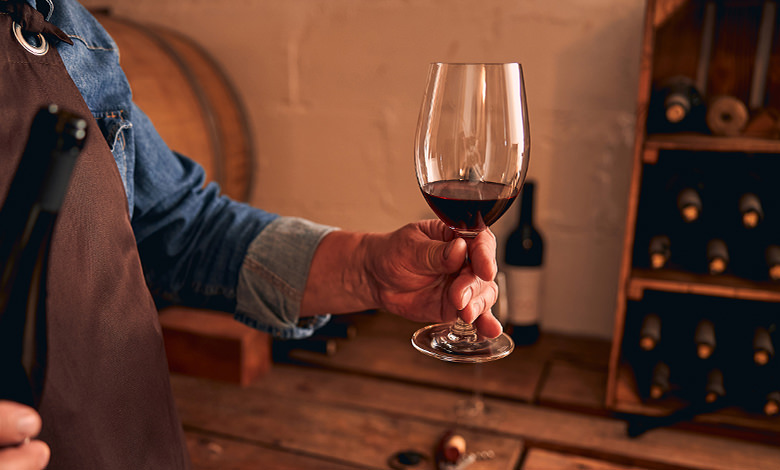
462 331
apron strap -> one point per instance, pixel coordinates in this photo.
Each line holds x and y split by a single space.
31 20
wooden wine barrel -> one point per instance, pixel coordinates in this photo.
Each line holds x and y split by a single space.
191 102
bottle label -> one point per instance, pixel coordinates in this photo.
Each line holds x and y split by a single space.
523 293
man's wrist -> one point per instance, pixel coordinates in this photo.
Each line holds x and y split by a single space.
340 278
365 263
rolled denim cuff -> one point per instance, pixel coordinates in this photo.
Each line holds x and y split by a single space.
273 277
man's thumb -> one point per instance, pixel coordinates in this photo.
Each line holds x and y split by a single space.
17 422
447 257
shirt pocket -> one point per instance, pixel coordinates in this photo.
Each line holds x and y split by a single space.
116 129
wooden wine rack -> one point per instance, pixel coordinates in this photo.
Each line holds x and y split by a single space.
671 40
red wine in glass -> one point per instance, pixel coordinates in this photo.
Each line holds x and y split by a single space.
468 206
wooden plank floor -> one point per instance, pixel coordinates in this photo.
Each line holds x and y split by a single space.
377 396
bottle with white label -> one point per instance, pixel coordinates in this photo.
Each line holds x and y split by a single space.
524 257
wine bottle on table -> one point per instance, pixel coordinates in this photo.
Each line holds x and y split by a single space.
27 219
524 257
316 344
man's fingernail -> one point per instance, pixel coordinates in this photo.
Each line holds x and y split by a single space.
27 424
464 301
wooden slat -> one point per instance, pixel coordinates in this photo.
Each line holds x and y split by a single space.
706 143
574 386
208 452
540 459
733 52
643 102
666 8
689 283
336 414
290 415
677 42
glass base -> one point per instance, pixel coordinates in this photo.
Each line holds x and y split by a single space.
459 342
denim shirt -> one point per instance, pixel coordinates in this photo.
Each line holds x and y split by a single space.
197 247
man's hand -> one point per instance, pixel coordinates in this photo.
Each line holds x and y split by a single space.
418 271
19 424
421 272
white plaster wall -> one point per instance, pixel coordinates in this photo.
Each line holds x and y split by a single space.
333 89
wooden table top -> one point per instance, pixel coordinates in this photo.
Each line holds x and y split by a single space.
377 396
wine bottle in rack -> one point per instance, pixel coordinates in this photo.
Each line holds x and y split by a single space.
524 257
661 237
688 185
772 258
714 389
672 228
763 348
659 381
660 251
689 203
677 105
718 257
726 115
28 215
704 338
650 332
750 209
772 403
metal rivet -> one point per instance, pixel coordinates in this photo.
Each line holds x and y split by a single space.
35 50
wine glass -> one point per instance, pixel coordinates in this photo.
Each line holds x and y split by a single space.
471 156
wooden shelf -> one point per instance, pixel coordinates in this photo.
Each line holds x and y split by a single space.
707 143
689 283
672 44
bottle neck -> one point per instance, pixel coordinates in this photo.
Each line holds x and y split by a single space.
527 204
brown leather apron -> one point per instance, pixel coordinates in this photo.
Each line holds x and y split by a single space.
107 403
